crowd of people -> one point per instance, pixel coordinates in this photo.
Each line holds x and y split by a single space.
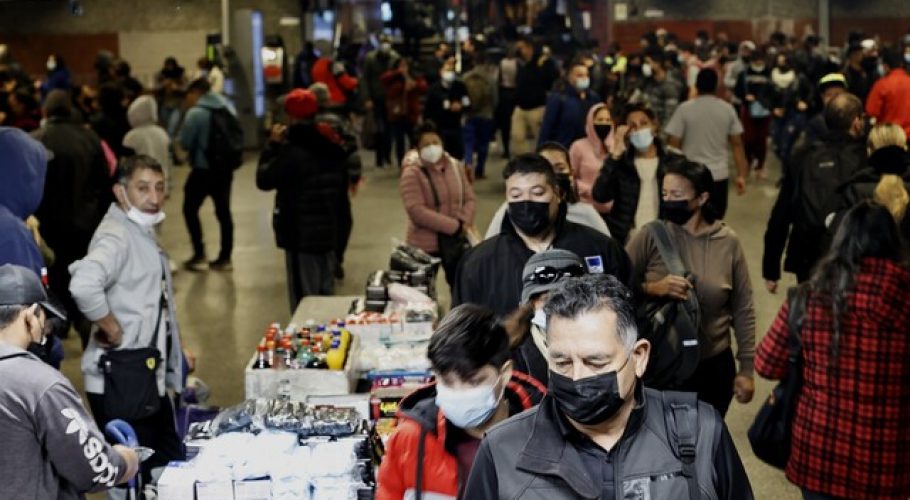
608 259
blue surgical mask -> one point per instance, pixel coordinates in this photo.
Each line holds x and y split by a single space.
468 408
582 83
642 139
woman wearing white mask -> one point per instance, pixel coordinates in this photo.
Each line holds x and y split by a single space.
432 451
631 175
436 195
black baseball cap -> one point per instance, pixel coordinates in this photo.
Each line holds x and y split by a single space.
20 286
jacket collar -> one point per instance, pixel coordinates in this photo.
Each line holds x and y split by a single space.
549 450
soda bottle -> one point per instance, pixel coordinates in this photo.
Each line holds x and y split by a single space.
288 359
279 357
270 353
261 359
318 361
304 354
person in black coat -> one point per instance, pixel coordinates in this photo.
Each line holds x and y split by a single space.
490 274
447 100
307 164
620 178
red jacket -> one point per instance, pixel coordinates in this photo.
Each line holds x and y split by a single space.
333 74
851 432
889 100
393 83
419 418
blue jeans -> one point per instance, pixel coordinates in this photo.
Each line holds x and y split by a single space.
478 132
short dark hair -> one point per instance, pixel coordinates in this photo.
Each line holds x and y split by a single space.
553 146
427 127
200 85
130 165
58 103
530 163
701 179
892 58
26 97
638 108
841 111
10 313
573 297
706 81
467 339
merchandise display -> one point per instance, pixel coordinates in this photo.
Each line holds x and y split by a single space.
275 449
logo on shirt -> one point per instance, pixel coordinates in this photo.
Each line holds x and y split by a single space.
92 448
595 264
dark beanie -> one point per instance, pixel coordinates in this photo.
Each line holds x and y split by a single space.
890 160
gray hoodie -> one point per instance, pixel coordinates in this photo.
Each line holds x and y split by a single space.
146 137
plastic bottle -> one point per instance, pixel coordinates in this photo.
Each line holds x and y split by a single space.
288 359
279 357
304 355
270 352
336 356
318 361
262 361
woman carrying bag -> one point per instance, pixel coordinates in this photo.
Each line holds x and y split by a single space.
438 199
716 271
851 429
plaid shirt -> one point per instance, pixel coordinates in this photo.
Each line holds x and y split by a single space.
851 432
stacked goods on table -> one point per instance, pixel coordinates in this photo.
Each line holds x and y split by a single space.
310 346
387 390
269 449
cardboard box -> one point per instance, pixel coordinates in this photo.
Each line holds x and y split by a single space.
253 489
264 383
214 490
177 482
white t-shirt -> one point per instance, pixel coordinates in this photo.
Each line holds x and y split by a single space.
649 198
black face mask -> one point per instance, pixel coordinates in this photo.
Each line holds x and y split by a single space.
590 400
530 217
677 212
603 131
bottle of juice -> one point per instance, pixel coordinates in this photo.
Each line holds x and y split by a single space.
336 356
288 359
270 352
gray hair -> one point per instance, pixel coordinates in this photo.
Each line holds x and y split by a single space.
576 296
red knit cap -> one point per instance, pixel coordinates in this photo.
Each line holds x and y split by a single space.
301 104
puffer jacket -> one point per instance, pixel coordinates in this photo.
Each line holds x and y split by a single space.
587 156
456 199
420 418
310 175
618 182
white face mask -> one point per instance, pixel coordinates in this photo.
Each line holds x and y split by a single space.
646 70
540 319
468 408
431 154
145 220
448 76
51 64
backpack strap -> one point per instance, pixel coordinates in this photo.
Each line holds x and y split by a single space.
667 248
17 355
681 414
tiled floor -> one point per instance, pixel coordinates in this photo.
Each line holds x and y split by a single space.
223 314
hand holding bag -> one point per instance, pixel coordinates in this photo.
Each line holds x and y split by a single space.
771 432
131 375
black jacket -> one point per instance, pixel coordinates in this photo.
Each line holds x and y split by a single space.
618 182
537 456
888 160
789 220
310 174
77 189
490 273
435 109
534 80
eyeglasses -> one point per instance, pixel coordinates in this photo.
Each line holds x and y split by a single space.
546 275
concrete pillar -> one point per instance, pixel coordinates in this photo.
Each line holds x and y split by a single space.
824 22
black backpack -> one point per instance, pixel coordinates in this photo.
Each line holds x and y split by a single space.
823 169
225 145
670 325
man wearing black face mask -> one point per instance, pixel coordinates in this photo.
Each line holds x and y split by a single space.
599 432
490 274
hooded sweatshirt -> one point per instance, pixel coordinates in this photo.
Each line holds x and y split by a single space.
23 166
194 136
587 156
716 260
146 137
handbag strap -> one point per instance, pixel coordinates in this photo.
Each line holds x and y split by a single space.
667 249
162 302
797 297
432 188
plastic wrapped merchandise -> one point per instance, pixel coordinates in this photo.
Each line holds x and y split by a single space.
291 478
335 422
264 449
245 417
289 416
335 488
217 460
403 294
334 459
